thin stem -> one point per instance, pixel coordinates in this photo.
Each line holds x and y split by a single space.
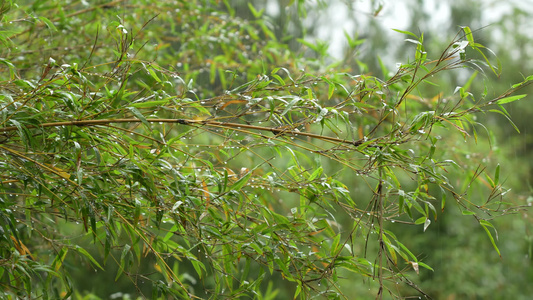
276 131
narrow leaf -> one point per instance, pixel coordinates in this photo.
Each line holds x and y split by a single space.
154 75
139 115
149 103
490 237
331 90
497 175
84 252
58 260
257 14
406 32
241 182
468 34
510 99
48 23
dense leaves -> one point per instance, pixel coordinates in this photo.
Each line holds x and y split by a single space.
196 154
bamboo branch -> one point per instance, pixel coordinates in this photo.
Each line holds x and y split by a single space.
276 131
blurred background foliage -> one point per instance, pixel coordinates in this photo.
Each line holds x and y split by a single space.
209 47
468 268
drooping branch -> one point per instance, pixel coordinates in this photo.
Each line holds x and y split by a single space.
229 125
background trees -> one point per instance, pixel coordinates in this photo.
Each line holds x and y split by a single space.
209 149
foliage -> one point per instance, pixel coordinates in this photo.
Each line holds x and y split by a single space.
199 155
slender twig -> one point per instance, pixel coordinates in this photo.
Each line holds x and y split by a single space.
276 131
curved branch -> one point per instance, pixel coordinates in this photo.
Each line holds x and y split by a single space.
276 131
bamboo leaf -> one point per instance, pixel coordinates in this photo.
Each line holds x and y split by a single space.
485 225
510 99
257 14
497 175
140 116
84 252
154 75
150 104
406 32
48 23
239 184
468 34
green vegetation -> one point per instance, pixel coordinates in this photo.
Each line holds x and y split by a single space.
209 150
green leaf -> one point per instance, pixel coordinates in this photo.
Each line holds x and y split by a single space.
468 34
323 224
140 116
504 112
485 225
319 46
510 99
123 260
353 42
257 14
136 211
425 266
529 78
391 249
48 23
495 70
279 79
198 266
257 248
149 104
401 200
497 175
10 66
298 290
58 260
229 7
443 200
200 108
350 265
284 268
432 151
413 257
23 133
331 90
267 31
154 75
84 252
335 244
420 220
316 174
289 106
170 233
107 246
270 262
246 269
406 32
237 186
